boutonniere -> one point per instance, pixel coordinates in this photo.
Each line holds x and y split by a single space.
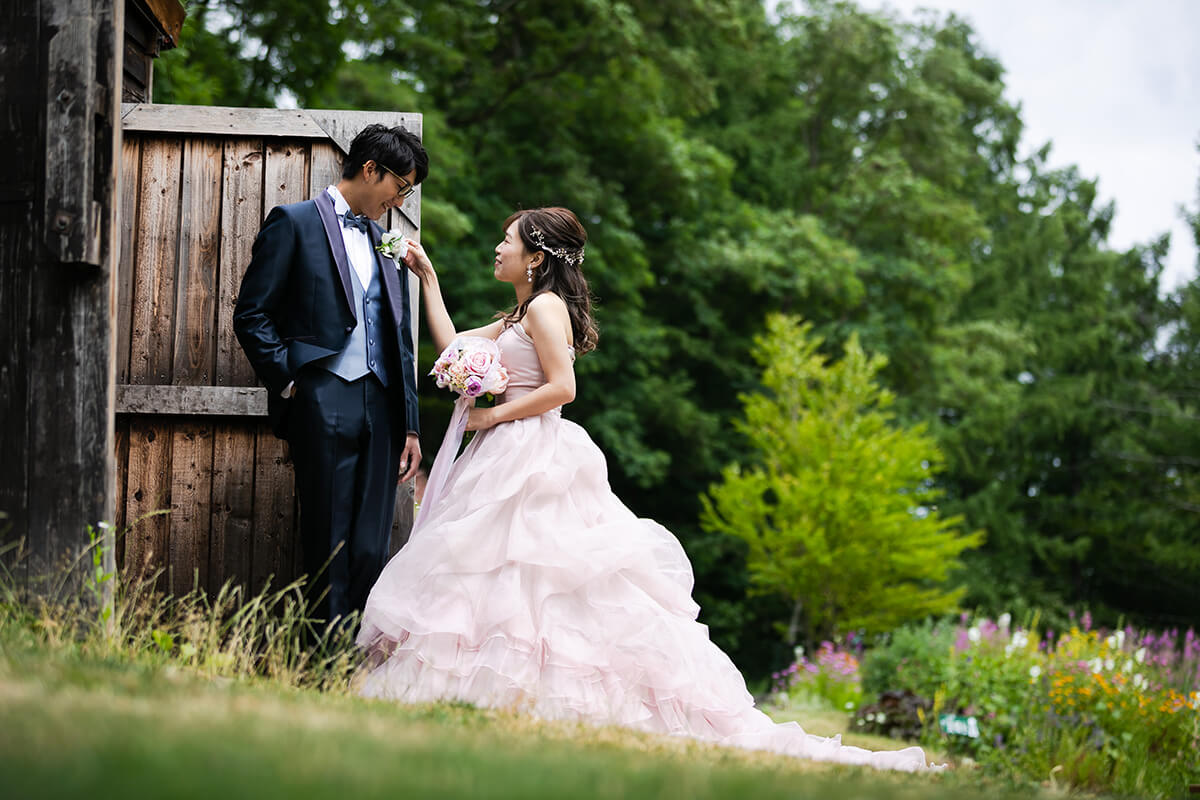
392 245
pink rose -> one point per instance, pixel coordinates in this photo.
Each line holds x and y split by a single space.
479 362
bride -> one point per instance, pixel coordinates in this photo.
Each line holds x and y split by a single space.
530 585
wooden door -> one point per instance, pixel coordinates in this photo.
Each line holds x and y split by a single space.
204 490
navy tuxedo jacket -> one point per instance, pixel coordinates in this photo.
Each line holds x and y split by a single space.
296 304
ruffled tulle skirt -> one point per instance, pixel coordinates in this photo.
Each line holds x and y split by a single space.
531 586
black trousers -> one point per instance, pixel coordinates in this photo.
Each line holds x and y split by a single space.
346 454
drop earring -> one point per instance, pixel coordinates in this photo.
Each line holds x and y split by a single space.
529 273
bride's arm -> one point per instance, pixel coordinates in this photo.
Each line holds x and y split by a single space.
547 322
441 327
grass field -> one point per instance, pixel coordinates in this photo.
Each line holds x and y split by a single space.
73 725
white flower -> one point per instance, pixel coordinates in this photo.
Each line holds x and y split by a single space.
392 245
1109 664
973 633
1004 620
1096 665
1120 639
1140 655
1020 640
1139 682
1128 666
798 653
1111 641
1034 672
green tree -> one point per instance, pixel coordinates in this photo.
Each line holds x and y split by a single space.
839 512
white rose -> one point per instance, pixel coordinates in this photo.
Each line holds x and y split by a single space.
394 240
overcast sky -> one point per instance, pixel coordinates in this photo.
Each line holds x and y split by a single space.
1115 85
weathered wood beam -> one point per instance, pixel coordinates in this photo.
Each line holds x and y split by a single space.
72 216
222 401
290 123
61 67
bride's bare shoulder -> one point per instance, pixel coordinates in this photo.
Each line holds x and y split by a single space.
548 312
547 306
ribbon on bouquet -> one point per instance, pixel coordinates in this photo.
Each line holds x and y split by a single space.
444 460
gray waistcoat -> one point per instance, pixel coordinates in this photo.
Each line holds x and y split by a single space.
364 352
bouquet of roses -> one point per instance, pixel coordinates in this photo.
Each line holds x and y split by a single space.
470 365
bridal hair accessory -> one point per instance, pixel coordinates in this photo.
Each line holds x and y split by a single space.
470 365
393 246
571 255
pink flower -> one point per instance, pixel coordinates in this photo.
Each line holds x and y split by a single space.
473 387
479 362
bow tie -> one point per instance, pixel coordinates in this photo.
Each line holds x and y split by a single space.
350 220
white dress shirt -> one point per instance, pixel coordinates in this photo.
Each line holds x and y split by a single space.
358 245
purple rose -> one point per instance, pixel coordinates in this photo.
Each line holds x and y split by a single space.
473 386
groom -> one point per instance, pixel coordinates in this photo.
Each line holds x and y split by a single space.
324 320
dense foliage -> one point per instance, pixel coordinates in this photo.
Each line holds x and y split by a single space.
857 169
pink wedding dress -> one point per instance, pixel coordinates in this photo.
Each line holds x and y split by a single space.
531 586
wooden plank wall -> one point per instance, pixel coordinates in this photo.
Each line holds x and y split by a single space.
204 499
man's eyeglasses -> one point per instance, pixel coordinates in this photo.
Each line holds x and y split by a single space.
406 188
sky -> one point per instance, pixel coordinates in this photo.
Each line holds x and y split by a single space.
1115 85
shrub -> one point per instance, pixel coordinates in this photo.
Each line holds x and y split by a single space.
830 680
913 658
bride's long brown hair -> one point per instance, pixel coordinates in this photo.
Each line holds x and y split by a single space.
562 231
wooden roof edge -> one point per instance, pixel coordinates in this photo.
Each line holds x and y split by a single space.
168 17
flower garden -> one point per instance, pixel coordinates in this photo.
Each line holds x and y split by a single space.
1113 711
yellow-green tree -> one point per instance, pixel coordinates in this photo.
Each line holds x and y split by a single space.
839 513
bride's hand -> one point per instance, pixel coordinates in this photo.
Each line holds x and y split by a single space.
417 261
480 419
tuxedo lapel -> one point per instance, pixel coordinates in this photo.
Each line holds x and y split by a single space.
388 271
333 232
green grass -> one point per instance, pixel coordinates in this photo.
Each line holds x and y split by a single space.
74 724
